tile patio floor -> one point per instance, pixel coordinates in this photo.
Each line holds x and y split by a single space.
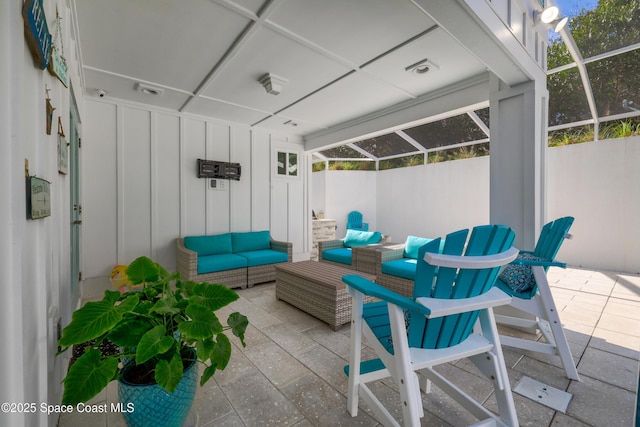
290 373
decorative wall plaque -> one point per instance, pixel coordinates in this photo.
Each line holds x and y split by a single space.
63 150
38 198
36 31
58 65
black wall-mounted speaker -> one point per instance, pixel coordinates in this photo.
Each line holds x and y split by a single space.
220 170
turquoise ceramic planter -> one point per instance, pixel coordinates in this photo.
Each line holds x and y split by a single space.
152 406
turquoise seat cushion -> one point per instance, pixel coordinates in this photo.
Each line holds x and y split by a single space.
404 267
263 257
341 255
209 245
519 278
221 262
251 241
361 238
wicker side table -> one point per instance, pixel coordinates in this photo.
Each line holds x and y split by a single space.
366 258
317 289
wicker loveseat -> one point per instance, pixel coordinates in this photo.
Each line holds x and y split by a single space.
237 260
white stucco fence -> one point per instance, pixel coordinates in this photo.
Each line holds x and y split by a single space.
598 183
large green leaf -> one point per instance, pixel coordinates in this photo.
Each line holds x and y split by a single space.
87 377
204 348
111 297
129 332
207 374
169 374
142 270
186 286
167 305
94 319
154 342
203 323
129 304
238 324
213 296
221 352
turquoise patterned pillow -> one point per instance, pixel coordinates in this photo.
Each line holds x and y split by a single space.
520 277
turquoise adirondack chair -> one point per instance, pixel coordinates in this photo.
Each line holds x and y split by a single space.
412 335
525 279
354 222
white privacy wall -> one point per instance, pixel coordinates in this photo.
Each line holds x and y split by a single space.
426 201
598 183
141 191
347 191
433 200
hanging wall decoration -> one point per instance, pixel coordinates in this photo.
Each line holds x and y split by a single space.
49 112
36 32
63 150
38 198
58 65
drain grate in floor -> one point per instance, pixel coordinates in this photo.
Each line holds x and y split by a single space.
544 394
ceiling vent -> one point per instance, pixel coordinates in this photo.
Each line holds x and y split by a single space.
422 67
149 90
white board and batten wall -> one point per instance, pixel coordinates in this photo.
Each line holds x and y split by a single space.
141 189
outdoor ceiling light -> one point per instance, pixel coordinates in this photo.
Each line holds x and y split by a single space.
551 16
272 84
559 24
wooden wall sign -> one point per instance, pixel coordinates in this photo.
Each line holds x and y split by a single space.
49 113
38 198
63 150
58 65
36 31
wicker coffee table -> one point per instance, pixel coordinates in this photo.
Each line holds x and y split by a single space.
317 289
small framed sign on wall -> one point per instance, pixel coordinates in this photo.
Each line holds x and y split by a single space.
38 198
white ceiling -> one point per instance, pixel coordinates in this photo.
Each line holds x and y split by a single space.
343 59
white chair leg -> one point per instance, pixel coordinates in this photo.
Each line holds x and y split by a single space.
495 361
552 316
355 354
407 380
425 383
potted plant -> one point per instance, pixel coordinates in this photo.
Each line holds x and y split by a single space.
161 330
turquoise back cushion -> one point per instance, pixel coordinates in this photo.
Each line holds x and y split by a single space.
251 241
361 238
413 244
209 245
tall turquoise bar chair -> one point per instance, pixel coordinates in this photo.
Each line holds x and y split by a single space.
411 335
525 279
